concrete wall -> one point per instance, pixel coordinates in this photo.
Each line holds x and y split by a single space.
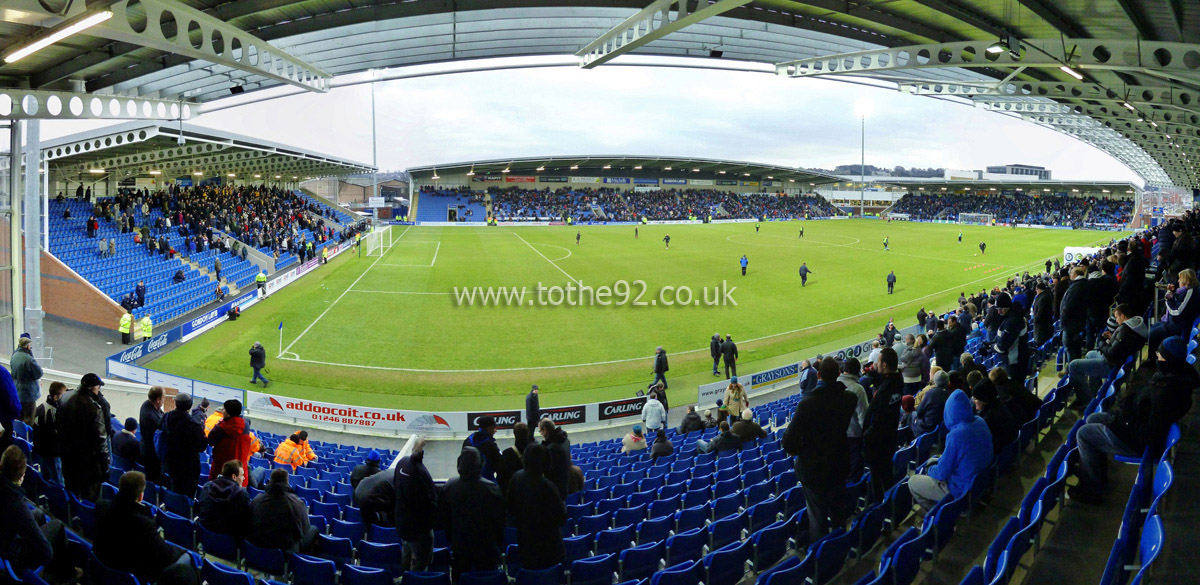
65 294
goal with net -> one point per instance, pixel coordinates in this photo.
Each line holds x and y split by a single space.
379 241
976 218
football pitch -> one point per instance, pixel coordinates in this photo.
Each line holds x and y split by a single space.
397 330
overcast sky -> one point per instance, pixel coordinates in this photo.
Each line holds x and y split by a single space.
652 111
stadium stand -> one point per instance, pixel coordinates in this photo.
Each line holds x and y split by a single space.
1047 210
281 224
721 517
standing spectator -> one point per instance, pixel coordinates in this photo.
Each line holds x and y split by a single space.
660 366
661 447
691 421
533 407
140 292
510 458
735 398
224 505
851 369
816 436
484 439
472 512
375 497
714 350
290 452
279 519
1073 313
911 359
258 361
1102 288
1012 341
30 539
231 441
968 452
881 423
653 414
634 441
808 377
729 354
1043 314
217 268
45 433
1139 418
891 281
25 373
150 419
416 502
125 444
537 508
366 469
559 447
183 434
746 428
83 439
126 537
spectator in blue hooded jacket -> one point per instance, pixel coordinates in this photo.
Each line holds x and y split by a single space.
968 452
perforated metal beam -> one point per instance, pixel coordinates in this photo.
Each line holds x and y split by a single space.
651 23
29 104
1137 95
173 27
1169 60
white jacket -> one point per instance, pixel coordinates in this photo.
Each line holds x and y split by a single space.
654 416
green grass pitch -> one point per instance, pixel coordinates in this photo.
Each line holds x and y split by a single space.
387 331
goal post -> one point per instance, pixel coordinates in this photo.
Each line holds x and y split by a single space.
976 218
379 241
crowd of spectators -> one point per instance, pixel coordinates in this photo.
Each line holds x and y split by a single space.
1057 210
850 416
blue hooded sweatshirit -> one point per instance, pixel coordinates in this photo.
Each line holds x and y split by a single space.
968 446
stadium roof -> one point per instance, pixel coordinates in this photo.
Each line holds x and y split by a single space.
1015 183
1123 75
174 150
618 165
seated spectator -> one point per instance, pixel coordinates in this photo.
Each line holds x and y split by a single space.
1022 403
472 512
654 415
126 537
1138 419
30 539
691 421
746 428
709 421
724 441
1183 306
634 441
537 509
179 277
1087 373
126 444
290 452
367 469
968 452
510 458
661 447
224 506
279 519
929 412
995 413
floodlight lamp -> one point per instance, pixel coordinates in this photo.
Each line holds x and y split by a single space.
666 168
198 173
231 175
257 176
155 172
574 167
58 35
540 169
637 168
96 171
1073 73
721 172
996 48
606 167
505 170
471 173
435 177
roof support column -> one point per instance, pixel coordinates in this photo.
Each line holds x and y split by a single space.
31 222
15 316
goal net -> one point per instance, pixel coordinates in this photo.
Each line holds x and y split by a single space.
976 218
379 241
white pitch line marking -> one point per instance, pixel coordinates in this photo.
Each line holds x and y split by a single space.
539 253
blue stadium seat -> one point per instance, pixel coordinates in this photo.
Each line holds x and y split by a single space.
177 529
597 570
496 577
772 542
266 560
726 530
383 534
1151 545
792 570
687 546
992 562
830 554
214 574
381 556
221 546
640 562
614 540
425 578
338 550
727 565
353 531
688 573
356 575
549 576
593 524
909 553
655 529
102 575
308 570
869 525
577 547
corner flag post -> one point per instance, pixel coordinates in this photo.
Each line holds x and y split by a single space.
280 339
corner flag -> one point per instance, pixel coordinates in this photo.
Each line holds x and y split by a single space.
281 325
